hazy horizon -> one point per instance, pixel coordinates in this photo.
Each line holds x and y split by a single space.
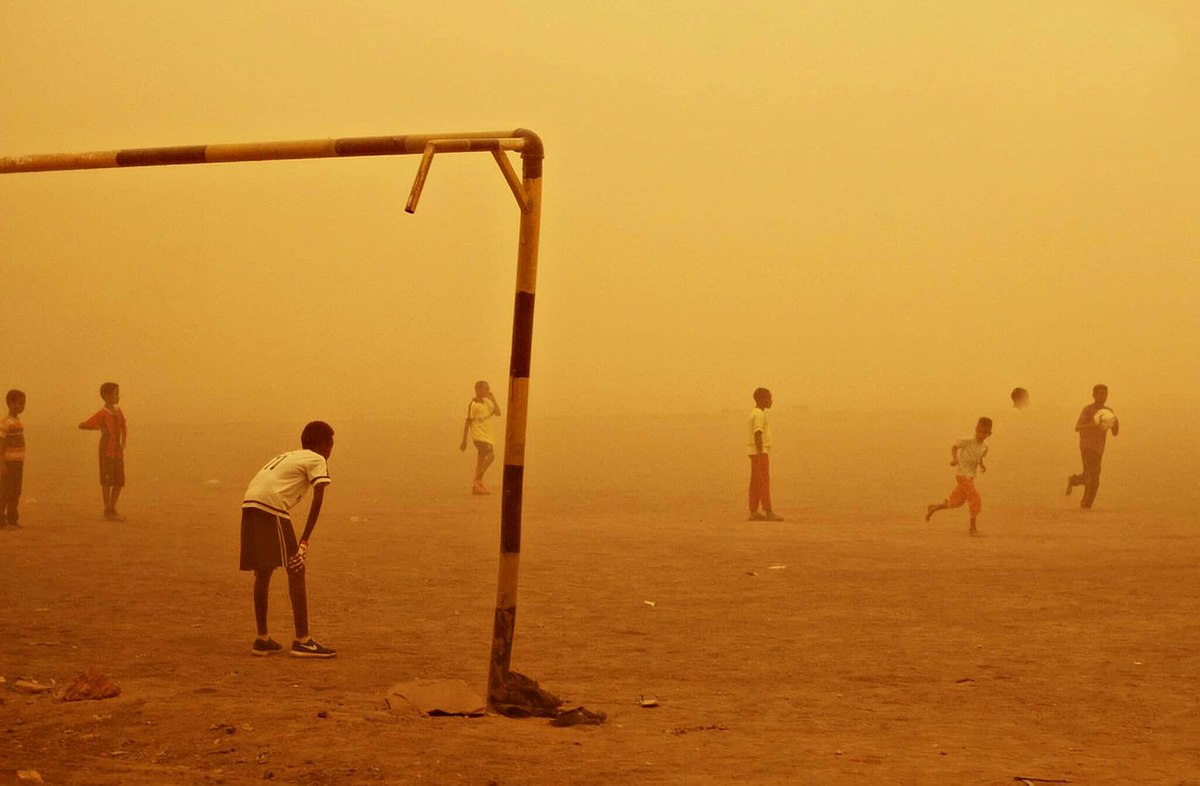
860 207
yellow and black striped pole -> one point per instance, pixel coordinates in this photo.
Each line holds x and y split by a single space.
518 402
528 193
268 151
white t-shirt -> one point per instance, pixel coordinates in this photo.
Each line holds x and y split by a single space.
285 480
970 453
758 422
480 412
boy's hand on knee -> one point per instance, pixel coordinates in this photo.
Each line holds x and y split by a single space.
296 562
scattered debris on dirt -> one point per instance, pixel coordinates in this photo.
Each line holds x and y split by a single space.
580 716
91 685
522 697
679 731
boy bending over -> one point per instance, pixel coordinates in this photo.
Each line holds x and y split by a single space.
269 542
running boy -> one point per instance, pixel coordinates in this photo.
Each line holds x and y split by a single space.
109 420
760 458
966 455
1092 437
481 409
269 542
12 462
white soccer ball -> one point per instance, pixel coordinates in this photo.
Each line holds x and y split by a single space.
1104 418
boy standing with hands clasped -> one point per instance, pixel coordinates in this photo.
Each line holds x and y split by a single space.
109 420
760 458
12 462
269 542
965 456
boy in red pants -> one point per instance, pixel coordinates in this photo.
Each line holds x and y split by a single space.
966 455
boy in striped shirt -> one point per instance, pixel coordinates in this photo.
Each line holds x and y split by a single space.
12 462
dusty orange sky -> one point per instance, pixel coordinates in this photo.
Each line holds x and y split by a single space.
860 205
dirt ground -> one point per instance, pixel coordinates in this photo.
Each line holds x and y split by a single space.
851 644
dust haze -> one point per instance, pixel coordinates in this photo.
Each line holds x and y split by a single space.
863 207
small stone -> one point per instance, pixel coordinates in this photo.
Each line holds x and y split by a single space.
92 684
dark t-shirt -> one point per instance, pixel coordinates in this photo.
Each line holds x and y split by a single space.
1091 436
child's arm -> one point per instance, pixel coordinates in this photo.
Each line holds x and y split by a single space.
466 429
758 442
982 468
495 404
954 455
314 511
295 563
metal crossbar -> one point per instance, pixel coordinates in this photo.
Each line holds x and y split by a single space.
528 192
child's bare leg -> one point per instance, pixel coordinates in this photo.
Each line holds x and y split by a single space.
973 532
299 595
934 508
262 592
485 459
106 492
112 500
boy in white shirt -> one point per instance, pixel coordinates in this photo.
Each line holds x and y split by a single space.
480 410
269 542
966 455
759 450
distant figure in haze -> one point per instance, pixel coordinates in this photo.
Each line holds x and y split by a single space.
965 456
1092 436
1020 398
269 541
109 420
12 463
480 410
760 458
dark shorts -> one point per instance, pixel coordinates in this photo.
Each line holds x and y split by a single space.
267 540
112 471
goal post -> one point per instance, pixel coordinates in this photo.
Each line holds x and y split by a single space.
526 189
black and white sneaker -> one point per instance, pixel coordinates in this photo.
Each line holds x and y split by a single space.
311 649
263 647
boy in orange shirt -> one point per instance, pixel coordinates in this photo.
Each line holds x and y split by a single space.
109 420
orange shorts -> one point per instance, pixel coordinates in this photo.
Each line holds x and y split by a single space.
964 491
